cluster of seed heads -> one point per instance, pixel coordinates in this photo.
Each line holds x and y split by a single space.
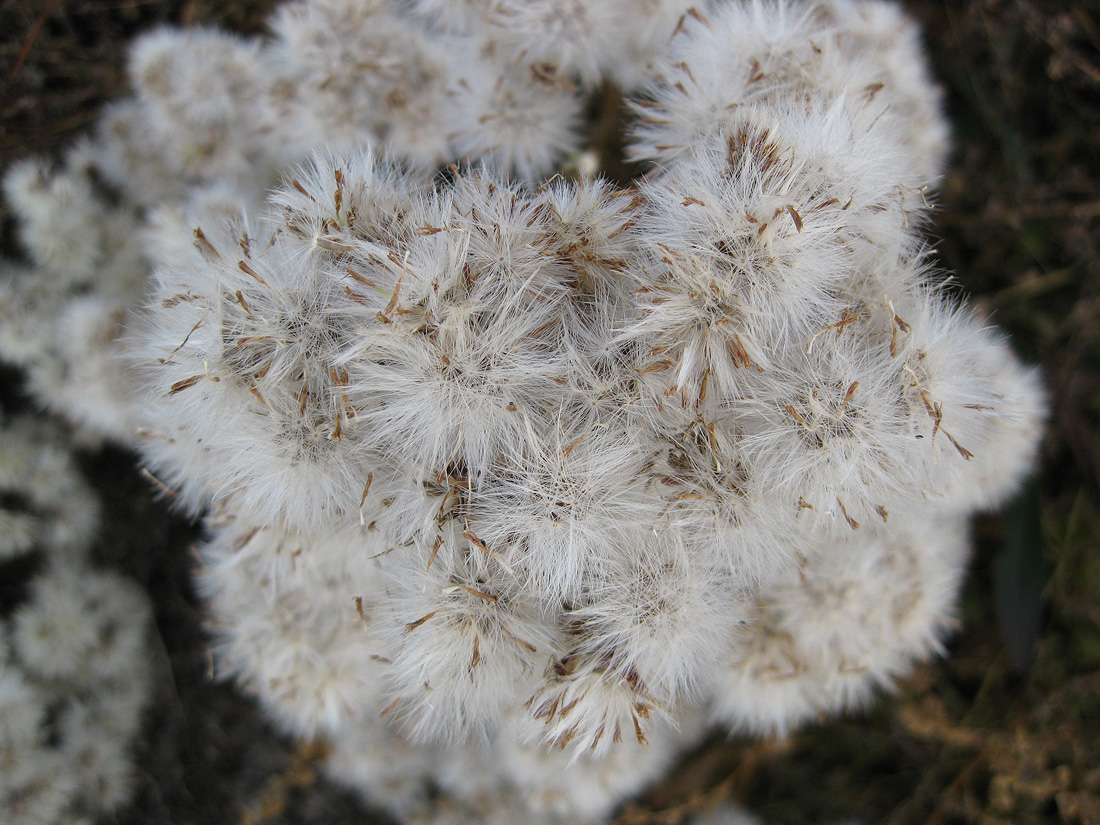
75 665
508 465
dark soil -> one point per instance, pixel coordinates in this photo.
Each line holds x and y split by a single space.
1004 729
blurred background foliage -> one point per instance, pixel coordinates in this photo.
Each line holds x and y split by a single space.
1004 729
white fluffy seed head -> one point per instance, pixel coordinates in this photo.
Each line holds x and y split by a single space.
754 245
889 41
371 758
59 227
52 634
643 30
983 411
202 105
559 784
169 68
793 55
566 515
572 37
474 358
662 617
74 623
356 71
586 707
72 690
49 505
833 433
62 320
848 621
305 641
24 708
246 340
467 643
516 117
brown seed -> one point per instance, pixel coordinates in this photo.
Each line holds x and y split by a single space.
366 488
247 270
420 621
204 243
795 217
297 185
186 383
333 244
848 396
851 521
481 594
435 550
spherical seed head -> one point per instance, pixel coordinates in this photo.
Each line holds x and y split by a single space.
795 56
358 71
567 515
517 118
294 617
201 96
662 616
246 343
848 621
467 642
983 411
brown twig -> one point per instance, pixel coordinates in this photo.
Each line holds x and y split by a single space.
28 44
